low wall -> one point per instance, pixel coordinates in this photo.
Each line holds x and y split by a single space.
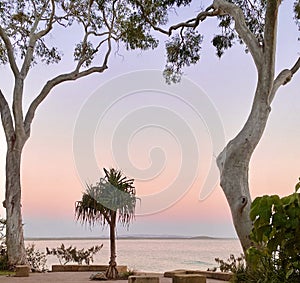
224 276
78 267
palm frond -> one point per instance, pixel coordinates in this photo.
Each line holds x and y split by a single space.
113 193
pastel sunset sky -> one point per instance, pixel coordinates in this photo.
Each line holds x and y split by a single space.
149 132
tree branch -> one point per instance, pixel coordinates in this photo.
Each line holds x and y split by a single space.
34 37
140 5
241 28
50 22
6 118
193 23
284 77
296 67
10 52
270 37
72 76
219 7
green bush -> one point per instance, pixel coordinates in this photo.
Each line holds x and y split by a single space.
275 256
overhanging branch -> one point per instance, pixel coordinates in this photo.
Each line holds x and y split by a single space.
72 76
193 23
241 28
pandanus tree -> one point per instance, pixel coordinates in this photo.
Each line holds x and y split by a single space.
111 200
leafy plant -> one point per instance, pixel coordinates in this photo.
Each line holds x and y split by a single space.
236 265
276 238
125 275
37 260
275 254
71 254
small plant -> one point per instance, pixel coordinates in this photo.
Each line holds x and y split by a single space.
125 275
3 249
37 260
236 265
71 254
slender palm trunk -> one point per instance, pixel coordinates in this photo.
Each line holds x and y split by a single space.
112 272
14 229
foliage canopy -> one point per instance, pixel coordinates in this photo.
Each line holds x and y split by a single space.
184 46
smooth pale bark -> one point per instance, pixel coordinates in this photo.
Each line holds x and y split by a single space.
112 272
15 139
14 229
233 161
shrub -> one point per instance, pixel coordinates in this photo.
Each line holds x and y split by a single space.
125 275
71 254
275 254
276 237
3 249
236 265
37 260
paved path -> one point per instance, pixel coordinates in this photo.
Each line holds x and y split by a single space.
68 277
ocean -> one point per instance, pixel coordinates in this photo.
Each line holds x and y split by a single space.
153 255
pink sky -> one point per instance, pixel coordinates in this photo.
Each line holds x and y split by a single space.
50 181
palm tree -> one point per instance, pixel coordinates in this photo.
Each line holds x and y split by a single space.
112 199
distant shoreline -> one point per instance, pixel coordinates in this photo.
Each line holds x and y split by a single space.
127 238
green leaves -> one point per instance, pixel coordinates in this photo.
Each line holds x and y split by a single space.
27 24
182 50
85 53
136 33
276 233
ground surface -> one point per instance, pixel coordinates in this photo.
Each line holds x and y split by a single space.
74 277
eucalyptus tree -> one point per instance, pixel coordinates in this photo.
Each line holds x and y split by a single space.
252 23
26 30
112 199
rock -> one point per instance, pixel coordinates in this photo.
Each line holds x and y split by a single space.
98 276
22 271
143 279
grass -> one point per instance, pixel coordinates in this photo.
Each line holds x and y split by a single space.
6 272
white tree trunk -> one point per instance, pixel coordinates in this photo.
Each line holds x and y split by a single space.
233 163
14 228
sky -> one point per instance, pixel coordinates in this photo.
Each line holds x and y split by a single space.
165 137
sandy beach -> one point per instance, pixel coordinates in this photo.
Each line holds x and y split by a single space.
74 277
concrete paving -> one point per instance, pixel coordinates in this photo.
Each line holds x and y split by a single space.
74 277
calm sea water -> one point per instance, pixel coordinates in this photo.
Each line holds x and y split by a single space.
155 255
